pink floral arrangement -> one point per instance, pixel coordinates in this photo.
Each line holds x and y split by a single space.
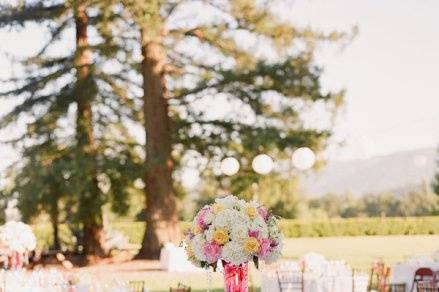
234 231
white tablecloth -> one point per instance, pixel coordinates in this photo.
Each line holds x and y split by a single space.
405 272
174 259
270 283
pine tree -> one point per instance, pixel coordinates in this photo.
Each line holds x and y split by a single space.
237 50
47 189
71 89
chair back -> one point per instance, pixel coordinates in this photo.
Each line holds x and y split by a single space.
424 275
290 281
426 286
136 286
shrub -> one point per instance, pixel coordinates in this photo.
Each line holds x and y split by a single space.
291 228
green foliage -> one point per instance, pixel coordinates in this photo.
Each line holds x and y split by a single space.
290 228
375 205
282 195
72 163
268 89
360 226
260 66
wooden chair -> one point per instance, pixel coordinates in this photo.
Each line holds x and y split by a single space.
290 281
180 288
426 286
397 287
424 275
136 286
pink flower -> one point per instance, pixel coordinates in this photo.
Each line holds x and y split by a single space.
253 233
212 252
201 217
263 213
265 247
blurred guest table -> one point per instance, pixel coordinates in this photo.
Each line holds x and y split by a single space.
174 259
313 283
55 281
319 275
405 272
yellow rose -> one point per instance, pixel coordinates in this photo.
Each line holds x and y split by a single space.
251 245
216 208
196 229
251 212
189 251
221 236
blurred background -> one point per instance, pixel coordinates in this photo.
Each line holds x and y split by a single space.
326 112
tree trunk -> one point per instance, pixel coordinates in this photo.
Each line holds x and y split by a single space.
161 210
54 218
90 198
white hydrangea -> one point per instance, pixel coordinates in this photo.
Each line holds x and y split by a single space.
18 236
197 244
259 224
228 202
253 204
227 218
239 232
209 233
208 219
233 252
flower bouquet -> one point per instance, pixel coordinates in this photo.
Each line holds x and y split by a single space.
235 232
19 240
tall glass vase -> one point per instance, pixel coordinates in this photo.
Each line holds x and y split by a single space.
235 277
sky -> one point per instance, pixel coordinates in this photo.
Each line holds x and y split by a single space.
389 71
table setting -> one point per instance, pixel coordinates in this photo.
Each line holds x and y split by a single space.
404 272
54 280
319 275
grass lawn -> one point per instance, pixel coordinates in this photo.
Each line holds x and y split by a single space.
359 252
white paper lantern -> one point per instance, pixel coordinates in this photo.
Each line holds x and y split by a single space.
303 158
262 164
229 166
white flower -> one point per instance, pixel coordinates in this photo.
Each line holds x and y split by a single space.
233 252
227 218
258 224
209 218
239 232
209 233
197 244
228 202
18 236
233 219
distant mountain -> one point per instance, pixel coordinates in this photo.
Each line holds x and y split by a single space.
398 172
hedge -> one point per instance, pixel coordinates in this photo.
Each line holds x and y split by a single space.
290 228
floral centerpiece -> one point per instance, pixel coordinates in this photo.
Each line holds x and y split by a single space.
19 240
235 232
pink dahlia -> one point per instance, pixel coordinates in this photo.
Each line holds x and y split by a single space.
201 217
263 213
212 252
253 233
265 247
